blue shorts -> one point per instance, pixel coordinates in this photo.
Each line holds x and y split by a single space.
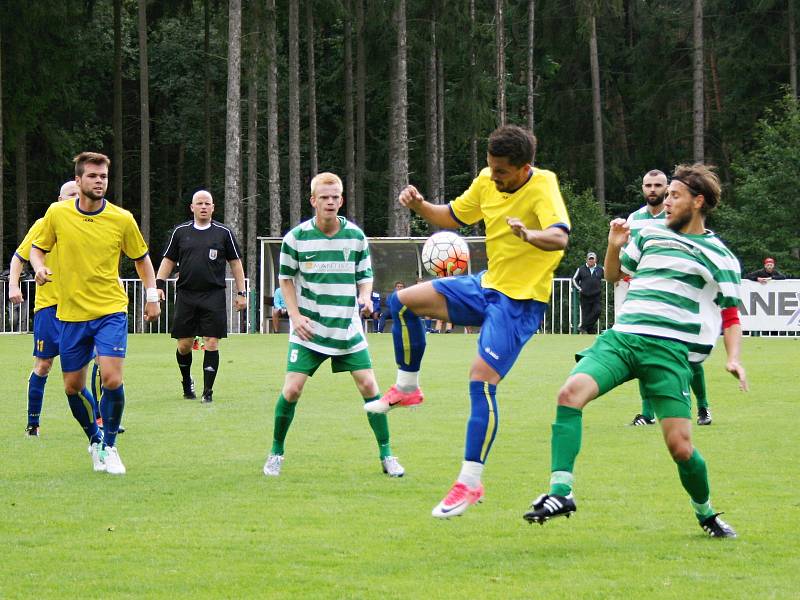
46 333
108 334
506 324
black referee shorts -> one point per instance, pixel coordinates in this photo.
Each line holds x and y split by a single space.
200 313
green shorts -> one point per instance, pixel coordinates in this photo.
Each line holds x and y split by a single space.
305 360
660 365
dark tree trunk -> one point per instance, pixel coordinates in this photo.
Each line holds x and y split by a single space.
361 112
144 110
349 133
500 60
531 73
399 224
273 155
233 121
698 113
21 157
252 146
313 161
792 49
599 159
117 118
207 93
431 115
294 115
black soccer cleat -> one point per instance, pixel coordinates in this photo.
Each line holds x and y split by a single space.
703 416
188 389
207 397
642 420
716 527
32 431
548 506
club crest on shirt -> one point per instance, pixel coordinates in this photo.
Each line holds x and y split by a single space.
212 254
346 252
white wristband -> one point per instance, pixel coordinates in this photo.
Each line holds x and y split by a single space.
151 295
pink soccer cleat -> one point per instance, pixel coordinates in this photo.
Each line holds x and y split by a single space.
394 398
458 500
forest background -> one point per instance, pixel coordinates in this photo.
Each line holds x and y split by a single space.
250 99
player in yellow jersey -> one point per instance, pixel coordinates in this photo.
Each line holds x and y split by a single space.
93 308
46 327
527 229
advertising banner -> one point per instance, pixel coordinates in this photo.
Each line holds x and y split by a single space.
771 306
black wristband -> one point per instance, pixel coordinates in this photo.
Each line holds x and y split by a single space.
161 284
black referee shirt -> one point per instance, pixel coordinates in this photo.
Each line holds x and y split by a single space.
201 255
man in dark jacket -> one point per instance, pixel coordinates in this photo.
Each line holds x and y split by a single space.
589 281
767 274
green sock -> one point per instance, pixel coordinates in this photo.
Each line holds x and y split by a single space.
699 385
564 447
284 413
694 477
647 406
380 427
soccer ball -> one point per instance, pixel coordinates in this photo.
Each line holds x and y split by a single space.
444 254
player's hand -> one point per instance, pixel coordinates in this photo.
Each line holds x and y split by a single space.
764 280
42 275
737 370
15 295
518 228
618 233
302 326
162 297
152 310
366 307
240 303
410 198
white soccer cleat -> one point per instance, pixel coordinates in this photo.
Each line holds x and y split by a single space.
272 468
97 457
392 467
113 461
458 500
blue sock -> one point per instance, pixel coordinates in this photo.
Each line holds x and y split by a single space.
482 423
83 408
408 334
35 397
96 387
112 405
93 399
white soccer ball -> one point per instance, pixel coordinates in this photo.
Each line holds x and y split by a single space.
444 254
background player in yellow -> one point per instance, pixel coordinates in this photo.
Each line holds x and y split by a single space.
91 233
46 326
527 229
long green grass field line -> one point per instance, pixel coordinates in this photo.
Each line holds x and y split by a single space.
195 516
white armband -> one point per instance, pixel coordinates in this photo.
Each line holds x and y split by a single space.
151 295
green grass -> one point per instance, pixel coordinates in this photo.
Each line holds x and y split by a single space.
194 516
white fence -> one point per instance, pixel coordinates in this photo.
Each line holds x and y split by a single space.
19 318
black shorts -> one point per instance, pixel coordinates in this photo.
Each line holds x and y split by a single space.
200 313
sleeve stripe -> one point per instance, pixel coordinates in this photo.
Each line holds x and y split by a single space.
38 248
230 234
19 257
455 218
172 237
141 257
563 226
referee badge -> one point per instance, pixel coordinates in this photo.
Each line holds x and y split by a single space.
212 254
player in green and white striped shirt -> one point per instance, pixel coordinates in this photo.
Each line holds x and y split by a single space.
652 214
325 274
681 277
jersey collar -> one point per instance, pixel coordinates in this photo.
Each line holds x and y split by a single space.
83 212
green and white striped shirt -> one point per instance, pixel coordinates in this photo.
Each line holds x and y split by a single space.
326 272
641 218
679 285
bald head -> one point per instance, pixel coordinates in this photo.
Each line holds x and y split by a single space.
69 190
202 207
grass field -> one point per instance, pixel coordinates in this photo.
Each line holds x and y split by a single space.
194 516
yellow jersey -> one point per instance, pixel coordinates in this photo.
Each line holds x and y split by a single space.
46 295
90 244
516 268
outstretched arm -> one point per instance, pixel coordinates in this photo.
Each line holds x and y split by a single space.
436 214
618 234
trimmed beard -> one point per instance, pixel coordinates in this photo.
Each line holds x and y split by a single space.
677 225
657 200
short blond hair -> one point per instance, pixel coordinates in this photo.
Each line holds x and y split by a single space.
326 179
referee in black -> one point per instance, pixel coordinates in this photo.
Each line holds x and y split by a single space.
200 248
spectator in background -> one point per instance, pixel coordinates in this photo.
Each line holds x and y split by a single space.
398 285
768 273
376 314
278 309
589 281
